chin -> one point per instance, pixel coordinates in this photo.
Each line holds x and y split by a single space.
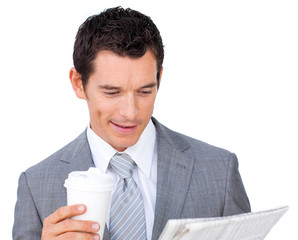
124 145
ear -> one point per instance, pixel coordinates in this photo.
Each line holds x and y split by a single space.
160 75
76 82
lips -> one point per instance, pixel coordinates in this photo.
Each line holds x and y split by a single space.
124 128
118 125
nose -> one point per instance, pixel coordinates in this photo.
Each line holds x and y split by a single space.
129 109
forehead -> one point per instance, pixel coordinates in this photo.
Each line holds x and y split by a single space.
110 66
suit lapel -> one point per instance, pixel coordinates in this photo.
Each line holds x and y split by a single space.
174 171
76 157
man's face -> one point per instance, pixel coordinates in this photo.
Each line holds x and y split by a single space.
120 95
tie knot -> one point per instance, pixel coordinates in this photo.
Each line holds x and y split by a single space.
123 164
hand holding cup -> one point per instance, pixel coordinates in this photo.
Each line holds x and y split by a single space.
59 225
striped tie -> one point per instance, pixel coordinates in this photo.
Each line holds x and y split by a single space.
127 218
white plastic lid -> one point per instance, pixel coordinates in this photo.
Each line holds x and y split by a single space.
91 180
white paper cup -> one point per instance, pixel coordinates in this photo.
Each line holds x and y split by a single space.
93 189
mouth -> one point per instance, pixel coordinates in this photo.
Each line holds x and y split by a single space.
124 128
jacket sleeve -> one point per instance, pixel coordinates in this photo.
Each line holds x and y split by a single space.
236 200
27 223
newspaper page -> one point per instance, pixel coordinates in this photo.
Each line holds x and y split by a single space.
248 226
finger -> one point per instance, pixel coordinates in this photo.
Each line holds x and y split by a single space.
78 236
72 225
66 212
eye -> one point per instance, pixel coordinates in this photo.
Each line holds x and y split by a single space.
145 92
111 93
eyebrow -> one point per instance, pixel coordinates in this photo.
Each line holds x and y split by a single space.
150 85
111 87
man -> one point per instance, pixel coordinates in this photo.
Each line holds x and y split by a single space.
118 58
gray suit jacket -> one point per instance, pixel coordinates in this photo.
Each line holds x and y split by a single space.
194 180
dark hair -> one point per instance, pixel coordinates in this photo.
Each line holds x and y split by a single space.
125 32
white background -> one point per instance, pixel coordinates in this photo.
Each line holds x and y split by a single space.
230 79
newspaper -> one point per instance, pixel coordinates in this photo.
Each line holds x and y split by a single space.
248 226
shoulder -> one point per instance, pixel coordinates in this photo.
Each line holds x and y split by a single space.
178 139
51 163
201 151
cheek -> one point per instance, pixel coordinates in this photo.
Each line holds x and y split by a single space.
146 110
102 108
149 105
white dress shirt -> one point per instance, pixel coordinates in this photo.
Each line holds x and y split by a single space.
144 154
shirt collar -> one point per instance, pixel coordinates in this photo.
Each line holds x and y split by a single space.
142 152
